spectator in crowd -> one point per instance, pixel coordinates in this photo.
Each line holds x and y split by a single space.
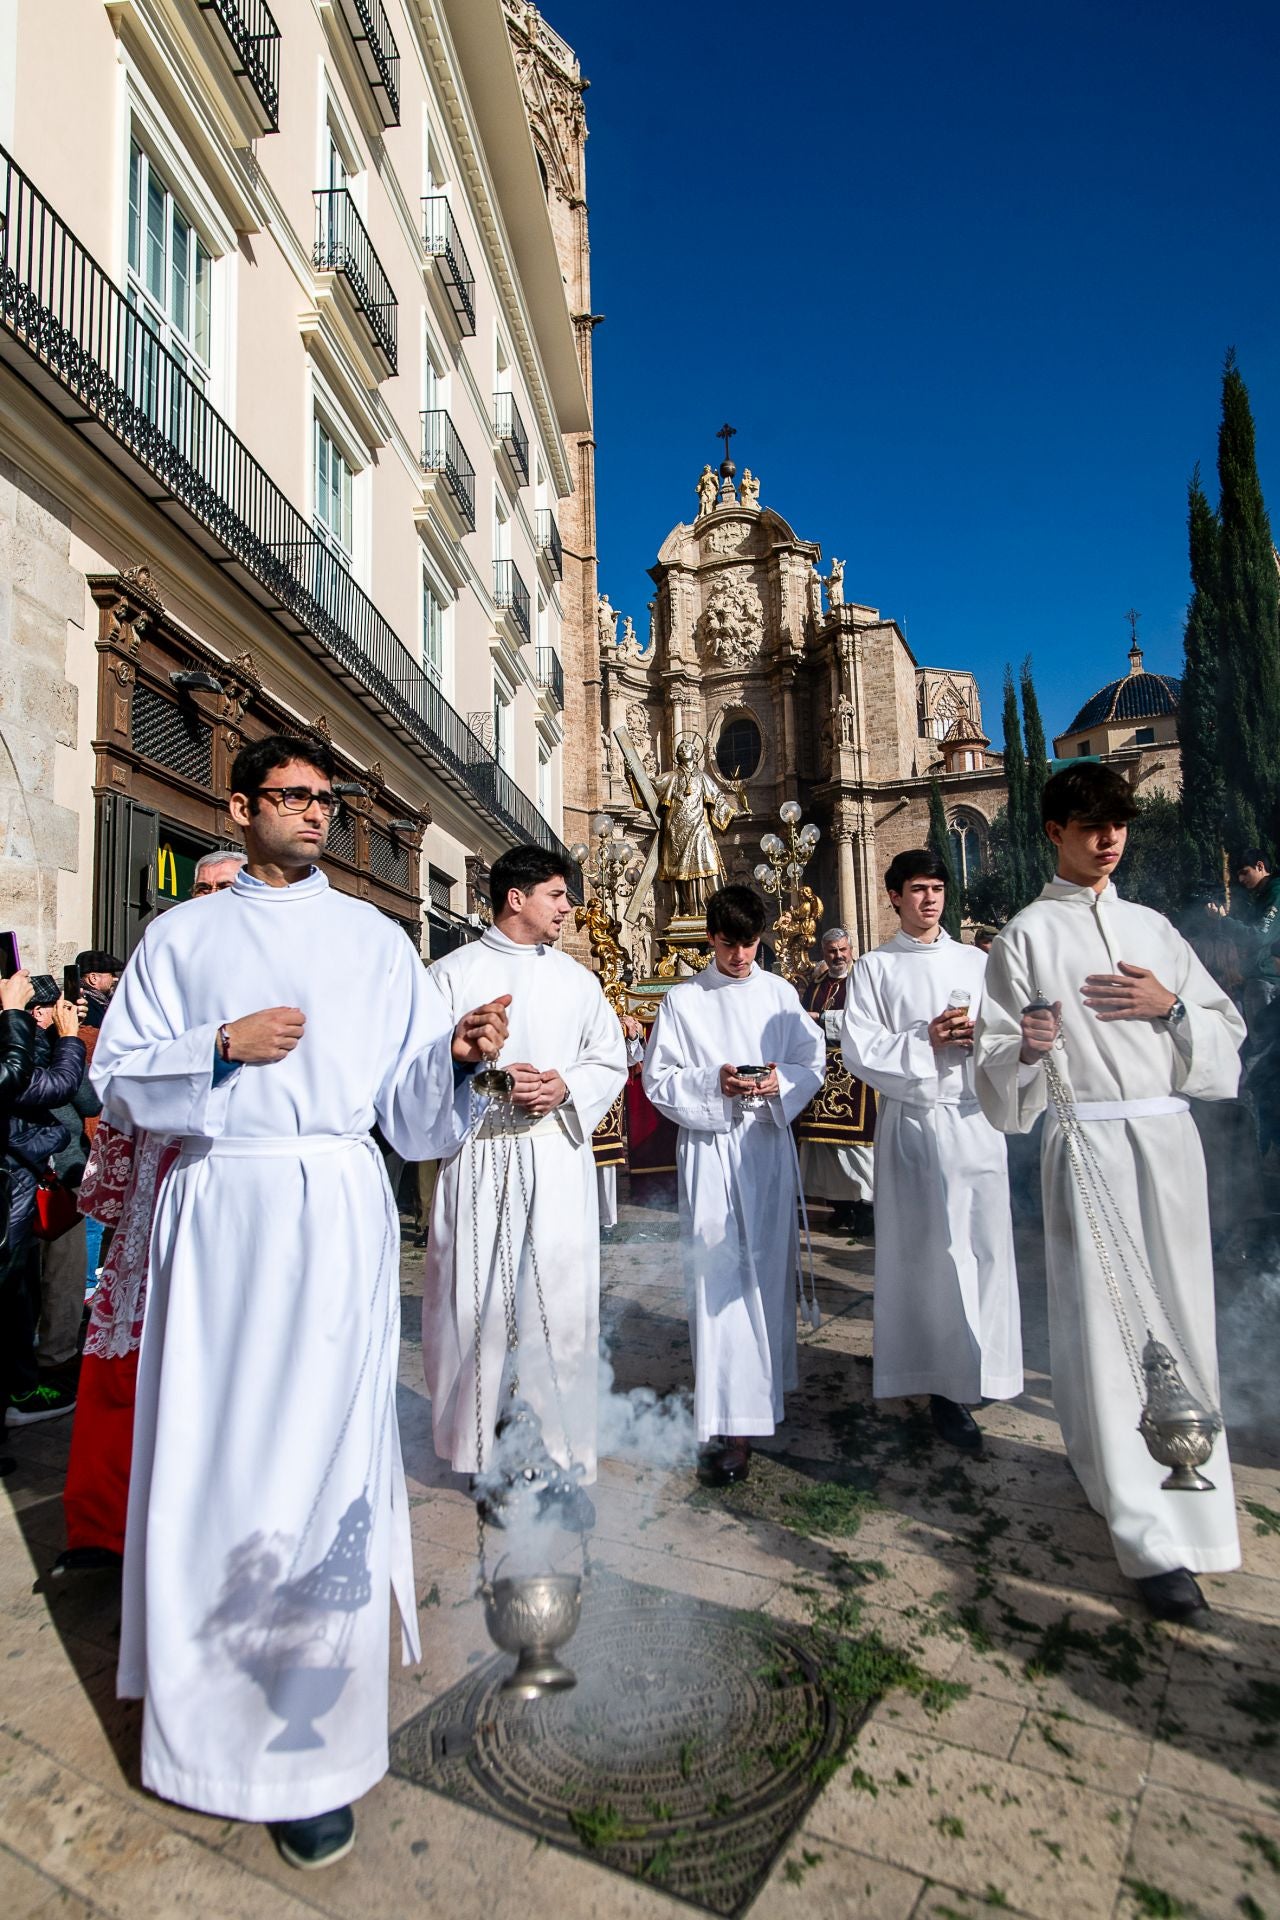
99 972
215 872
35 1134
64 1261
17 1050
1255 929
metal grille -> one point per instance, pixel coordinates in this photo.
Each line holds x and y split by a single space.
387 859
439 889
174 739
342 836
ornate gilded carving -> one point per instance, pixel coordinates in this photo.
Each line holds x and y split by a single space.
123 671
795 930
606 951
320 727
247 670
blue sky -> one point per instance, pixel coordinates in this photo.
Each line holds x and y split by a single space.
963 279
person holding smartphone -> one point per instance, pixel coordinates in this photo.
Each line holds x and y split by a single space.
732 1059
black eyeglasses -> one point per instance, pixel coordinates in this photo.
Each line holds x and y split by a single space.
299 799
203 887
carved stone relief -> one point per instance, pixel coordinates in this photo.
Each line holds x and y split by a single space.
730 629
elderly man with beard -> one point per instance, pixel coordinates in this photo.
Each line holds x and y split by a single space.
835 1131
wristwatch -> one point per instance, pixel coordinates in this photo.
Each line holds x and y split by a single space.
1176 1014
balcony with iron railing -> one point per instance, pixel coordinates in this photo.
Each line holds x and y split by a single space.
549 542
444 453
343 247
511 595
68 333
377 53
441 239
508 431
251 40
550 676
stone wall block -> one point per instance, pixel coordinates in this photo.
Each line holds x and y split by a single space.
44 575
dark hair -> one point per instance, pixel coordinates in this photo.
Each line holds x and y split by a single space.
915 864
251 766
524 868
736 913
1095 795
1251 857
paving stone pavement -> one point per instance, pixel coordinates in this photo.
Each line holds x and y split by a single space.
1060 1756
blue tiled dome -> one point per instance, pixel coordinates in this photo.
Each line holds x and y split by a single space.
1137 696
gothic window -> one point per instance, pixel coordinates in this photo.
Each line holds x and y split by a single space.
739 748
968 851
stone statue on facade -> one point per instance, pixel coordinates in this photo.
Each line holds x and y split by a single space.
706 490
693 807
606 621
815 593
750 489
628 644
835 584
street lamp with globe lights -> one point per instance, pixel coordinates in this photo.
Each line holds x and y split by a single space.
781 874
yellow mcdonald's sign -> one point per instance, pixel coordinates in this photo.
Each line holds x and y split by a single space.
165 857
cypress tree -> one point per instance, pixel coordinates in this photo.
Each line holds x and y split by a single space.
1203 794
1039 851
1015 774
940 843
1248 631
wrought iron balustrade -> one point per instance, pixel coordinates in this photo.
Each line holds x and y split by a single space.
511 594
248 31
343 246
69 333
444 453
378 54
441 239
549 541
551 675
508 430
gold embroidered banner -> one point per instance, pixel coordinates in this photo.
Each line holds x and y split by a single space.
608 1143
843 1111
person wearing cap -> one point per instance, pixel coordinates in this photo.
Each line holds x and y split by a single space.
99 972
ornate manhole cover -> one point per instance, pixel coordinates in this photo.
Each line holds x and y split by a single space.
690 1749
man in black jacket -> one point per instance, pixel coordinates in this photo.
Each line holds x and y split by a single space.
34 1134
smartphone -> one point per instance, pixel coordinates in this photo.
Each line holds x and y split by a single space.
71 984
10 959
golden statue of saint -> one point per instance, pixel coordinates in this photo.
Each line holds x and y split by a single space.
692 803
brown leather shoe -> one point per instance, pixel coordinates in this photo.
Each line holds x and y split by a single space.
724 1461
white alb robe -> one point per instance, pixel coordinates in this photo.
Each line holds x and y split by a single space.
739 1184
1155 1168
558 1018
267 1507
946 1293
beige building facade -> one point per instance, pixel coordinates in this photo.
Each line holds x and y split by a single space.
795 692
294 406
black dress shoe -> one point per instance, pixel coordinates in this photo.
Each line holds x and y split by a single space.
955 1424
723 1462
842 1216
864 1220
1175 1596
319 1842
86 1560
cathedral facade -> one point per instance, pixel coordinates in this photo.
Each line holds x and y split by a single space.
792 692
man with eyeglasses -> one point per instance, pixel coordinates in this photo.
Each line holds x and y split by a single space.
267 1508
215 872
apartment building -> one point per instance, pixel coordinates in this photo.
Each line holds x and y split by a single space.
290 397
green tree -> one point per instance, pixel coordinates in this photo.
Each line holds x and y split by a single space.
1040 864
1015 775
1248 594
940 843
1152 869
1203 792
995 894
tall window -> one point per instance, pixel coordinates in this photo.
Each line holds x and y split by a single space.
967 860
332 495
335 162
503 703
432 633
169 274
544 779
